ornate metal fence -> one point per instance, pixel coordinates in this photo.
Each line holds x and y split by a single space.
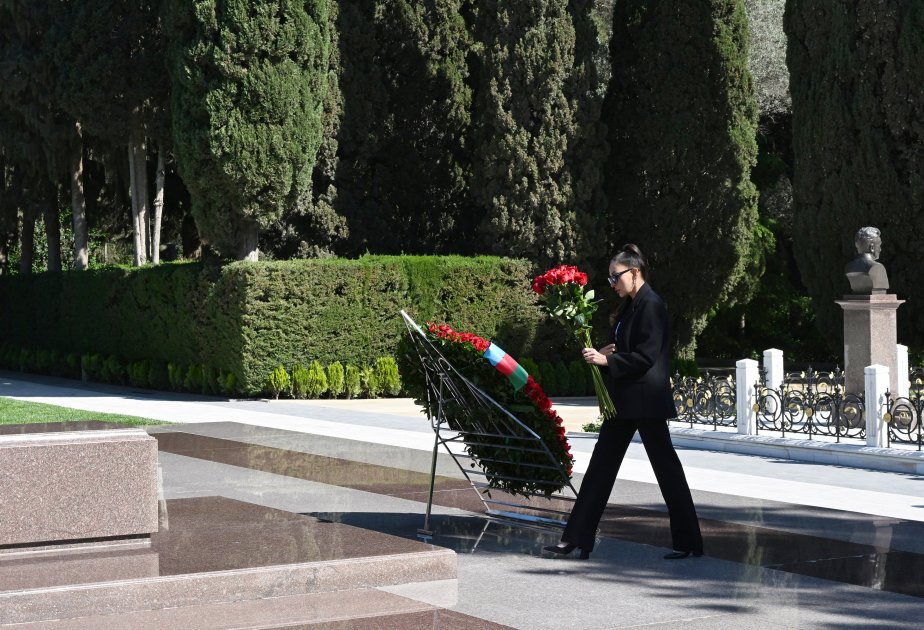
810 403
903 416
916 380
707 399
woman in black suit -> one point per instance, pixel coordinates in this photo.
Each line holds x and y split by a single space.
638 369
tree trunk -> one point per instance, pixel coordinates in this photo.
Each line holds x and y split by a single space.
53 230
138 169
248 242
138 175
26 242
136 223
158 206
79 206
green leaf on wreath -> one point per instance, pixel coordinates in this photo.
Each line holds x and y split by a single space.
520 408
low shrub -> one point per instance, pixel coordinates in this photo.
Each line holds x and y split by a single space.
549 376
563 379
369 382
317 380
176 373
387 377
193 380
157 375
335 383
582 383
352 381
210 380
299 381
532 368
112 370
278 382
138 373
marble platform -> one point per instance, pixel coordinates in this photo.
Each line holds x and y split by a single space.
216 552
66 486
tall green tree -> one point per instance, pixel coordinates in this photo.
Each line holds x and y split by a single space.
312 227
587 147
682 119
404 145
857 82
248 80
522 180
30 96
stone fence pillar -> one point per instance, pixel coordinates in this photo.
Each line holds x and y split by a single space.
901 379
746 375
877 382
773 367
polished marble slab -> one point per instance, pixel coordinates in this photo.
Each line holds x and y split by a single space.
897 571
319 468
362 609
215 550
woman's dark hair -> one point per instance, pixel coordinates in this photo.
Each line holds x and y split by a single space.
631 256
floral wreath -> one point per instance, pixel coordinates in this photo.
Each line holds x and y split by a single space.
474 356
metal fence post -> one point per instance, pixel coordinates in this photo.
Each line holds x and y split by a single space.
877 383
746 375
773 367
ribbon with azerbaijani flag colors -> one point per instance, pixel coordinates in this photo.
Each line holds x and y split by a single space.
507 366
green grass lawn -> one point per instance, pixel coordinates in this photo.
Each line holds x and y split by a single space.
20 412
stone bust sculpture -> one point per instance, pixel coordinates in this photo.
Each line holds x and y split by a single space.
867 276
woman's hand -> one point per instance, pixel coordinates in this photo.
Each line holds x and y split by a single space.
608 349
594 357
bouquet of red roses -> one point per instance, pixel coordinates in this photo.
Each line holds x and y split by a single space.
562 294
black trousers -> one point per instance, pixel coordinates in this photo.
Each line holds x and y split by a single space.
612 443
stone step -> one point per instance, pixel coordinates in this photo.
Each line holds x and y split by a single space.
215 551
355 609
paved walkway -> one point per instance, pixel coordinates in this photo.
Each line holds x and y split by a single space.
401 423
503 577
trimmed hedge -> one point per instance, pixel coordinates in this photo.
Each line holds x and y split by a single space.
242 320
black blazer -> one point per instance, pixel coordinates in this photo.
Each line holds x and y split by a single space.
639 371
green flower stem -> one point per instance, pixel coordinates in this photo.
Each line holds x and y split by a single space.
605 403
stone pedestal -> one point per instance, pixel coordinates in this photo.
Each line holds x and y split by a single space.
869 337
78 486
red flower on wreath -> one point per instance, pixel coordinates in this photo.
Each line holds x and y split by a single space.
445 332
532 389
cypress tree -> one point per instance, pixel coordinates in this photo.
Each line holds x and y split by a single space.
857 83
248 84
404 133
587 148
682 120
522 182
313 227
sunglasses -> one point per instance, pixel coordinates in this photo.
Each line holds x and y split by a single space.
615 277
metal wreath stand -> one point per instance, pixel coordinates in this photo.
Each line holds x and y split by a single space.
476 416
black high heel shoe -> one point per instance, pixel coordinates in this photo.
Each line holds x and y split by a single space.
564 549
680 555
